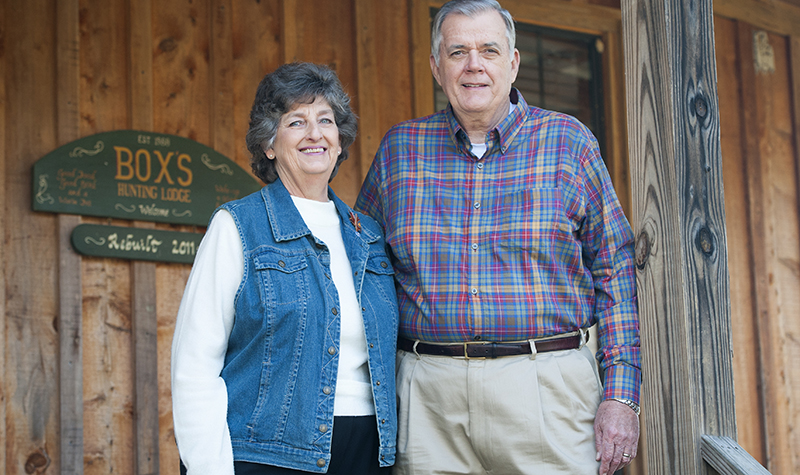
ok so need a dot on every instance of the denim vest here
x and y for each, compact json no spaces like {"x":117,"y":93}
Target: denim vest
{"x":283,"y":351}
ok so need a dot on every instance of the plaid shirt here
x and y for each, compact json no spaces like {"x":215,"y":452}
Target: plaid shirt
{"x":526,"y":242}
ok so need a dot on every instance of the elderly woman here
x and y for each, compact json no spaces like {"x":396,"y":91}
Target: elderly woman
{"x":284,"y":349}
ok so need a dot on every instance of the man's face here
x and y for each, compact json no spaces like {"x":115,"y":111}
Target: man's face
{"x":475,"y":68}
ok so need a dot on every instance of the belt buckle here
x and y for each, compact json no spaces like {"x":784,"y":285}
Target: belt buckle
{"x":466,"y":353}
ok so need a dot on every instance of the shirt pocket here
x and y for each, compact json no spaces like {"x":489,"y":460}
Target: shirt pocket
{"x":533,"y":219}
{"x":283,"y":277}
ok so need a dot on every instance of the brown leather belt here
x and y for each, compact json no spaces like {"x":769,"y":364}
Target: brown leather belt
{"x":486,"y":349}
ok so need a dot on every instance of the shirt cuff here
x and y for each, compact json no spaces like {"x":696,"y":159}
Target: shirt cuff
{"x":622,"y":381}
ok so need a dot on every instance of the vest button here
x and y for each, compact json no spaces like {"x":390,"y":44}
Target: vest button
{"x":384,"y":265}
{"x":323,"y":428}
{"x":321,"y":463}
{"x":281,"y":263}
{"x":334,"y":311}
{"x":326,"y":390}
{"x":331,"y":351}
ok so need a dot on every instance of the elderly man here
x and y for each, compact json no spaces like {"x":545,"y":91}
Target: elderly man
{"x":508,"y":243}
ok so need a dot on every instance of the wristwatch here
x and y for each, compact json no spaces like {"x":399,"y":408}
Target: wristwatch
{"x":629,"y":403}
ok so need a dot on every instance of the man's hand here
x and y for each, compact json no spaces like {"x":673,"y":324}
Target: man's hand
{"x":616,"y":435}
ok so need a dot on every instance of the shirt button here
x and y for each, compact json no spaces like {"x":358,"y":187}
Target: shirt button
{"x":476,"y":205}
{"x":334,"y":311}
{"x":474,"y":291}
{"x":323,"y":428}
{"x":321,"y":463}
{"x":383,"y":421}
{"x":281,"y":263}
{"x":331,"y":351}
{"x":377,"y":383}
{"x":384,"y":265}
{"x":474,"y":247}
{"x":326,"y":390}
{"x":480,"y":166}
{"x":371,"y":345}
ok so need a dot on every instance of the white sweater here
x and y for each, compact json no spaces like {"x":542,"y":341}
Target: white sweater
{"x":203,"y":326}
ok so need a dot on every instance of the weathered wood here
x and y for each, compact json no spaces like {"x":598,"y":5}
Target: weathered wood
{"x":108,"y":381}
{"x":222,"y":77}
{"x":367,"y":31}
{"x":70,"y":319}
{"x":5,"y":235}
{"x":746,"y":360}
{"x":728,"y":458}
{"x":773,"y":194}
{"x":772,"y":15}
{"x":143,"y":274}
{"x":422,"y":80}
{"x":617,"y":138}
{"x":679,"y":222}
{"x":30,"y":346}
{"x":257,"y":50}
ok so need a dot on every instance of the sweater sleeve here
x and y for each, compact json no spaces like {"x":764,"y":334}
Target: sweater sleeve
{"x":202,"y":329}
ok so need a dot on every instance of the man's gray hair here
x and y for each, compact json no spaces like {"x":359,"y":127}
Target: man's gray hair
{"x":470,"y":8}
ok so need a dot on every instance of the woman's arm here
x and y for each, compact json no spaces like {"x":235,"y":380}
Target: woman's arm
{"x":205,"y":319}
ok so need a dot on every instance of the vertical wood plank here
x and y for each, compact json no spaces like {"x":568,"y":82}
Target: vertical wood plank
{"x":616,"y":118}
{"x":679,"y":220}
{"x":368,"y":83}
{"x":422,"y":80}
{"x":108,"y":430}
{"x":257,"y":50}
{"x":222,"y":80}
{"x":291,"y":31}
{"x":746,"y":360}
{"x":4,"y":237}
{"x":143,"y":274}
{"x":70,"y":321}
{"x":30,"y":242}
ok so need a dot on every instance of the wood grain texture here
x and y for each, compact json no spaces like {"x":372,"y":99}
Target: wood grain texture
{"x":107,"y":352}
{"x":143,"y":274}
{"x":773,"y":191}
{"x":728,"y":458}
{"x":679,"y":221}
{"x":4,"y":239}
{"x":746,"y":356}
{"x":31,"y":373}
{"x":773,"y":15}
{"x":384,"y":78}
{"x":70,"y":320}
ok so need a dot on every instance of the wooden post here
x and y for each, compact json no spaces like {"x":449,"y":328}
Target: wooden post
{"x":143,"y":274}
{"x":679,"y":221}
{"x":70,"y":325}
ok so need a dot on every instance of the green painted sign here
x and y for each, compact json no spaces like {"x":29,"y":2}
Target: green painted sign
{"x":137,"y":175}
{"x":135,"y":243}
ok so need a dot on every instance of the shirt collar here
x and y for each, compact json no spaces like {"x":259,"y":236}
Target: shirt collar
{"x":504,"y":132}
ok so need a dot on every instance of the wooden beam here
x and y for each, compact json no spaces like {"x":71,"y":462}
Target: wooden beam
{"x":222,"y":80}
{"x":728,"y":458}
{"x":772,"y":15}
{"x":143,"y":274}
{"x":368,"y":83}
{"x":4,"y":237}
{"x":70,"y":325}
{"x":679,"y":221}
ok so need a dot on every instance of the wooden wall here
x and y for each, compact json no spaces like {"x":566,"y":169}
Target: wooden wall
{"x":72,"y":68}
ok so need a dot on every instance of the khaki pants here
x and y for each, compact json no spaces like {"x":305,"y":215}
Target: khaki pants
{"x":504,"y":416}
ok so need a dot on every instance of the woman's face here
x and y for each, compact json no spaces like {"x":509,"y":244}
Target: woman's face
{"x":306,"y":147}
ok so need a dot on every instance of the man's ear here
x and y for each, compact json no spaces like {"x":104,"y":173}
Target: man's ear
{"x":435,"y":69}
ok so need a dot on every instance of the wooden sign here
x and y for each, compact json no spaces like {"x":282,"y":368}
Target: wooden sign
{"x":135,"y":243}
{"x":140,"y":176}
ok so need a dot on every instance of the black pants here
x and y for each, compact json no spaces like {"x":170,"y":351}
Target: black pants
{"x":354,"y":451}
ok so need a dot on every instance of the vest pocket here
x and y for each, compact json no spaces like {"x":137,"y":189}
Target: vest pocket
{"x":282,"y":277}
